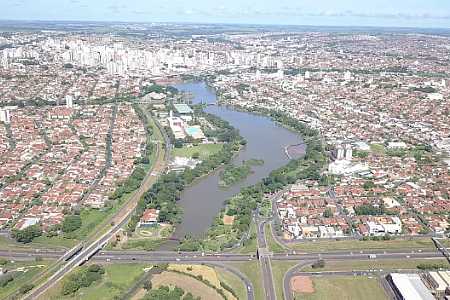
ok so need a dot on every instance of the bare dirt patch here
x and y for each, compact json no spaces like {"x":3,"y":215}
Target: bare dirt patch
{"x":302,"y":284}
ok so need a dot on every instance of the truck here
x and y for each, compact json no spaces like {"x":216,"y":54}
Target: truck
{"x":372,"y":256}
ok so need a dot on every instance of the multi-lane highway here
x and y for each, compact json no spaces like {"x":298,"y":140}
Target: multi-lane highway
{"x":220,"y":259}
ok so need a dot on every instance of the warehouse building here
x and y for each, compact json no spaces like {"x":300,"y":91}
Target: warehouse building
{"x":409,"y":287}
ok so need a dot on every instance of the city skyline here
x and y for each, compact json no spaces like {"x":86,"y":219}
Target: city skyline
{"x":382,"y":13}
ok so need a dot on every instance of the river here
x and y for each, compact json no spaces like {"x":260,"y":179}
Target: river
{"x":266,"y":140}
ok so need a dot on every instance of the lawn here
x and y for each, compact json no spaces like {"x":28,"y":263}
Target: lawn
{"x":252,"y":270}
{"x":345,"y":288}
{"x":279,"y":268}
{"x":271,"y":243}
{"x":22,"y":277}
{"x":233,"y":281}
{"x":350,"y":245}
{"x":377,"y":148}
{"x":385,"y":264}
{"x":204,"y":150}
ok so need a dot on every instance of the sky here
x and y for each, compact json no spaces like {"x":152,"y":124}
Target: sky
{"x":388,"y":13}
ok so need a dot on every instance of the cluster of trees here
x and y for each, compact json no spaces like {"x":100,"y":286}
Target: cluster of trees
{"x":369,"y":210}
{"x":156,"y":88}
{"x":130,"y":184}
{"x":318,"y":264}
{"x":28,"y":234}
{"x":71,"y":223}
{"x":82,"y":278}
{"x":167,"y":293}
{"x":164,"y":194}
{"x":431,"y":266}
{"x":5,"y":279}
{"x":233,"y":174}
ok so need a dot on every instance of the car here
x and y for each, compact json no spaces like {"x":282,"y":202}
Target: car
{"x":177,"y":259}
{"x":133,"y":258}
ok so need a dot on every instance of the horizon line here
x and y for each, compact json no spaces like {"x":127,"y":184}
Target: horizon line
{"x":226,"y":23}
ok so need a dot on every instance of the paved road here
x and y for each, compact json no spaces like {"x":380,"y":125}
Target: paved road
{"x":264,"y":260}
{"x":120,"y":219}
{"x":225,"y":257}
{"x":244,"y":279}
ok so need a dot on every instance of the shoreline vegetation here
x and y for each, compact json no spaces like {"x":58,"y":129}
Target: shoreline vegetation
{"x":232,"y":174}
{"x":165,"y":193}
{"x":227,"y":235}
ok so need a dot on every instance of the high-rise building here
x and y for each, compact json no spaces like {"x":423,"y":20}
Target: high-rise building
{"x":69,"y":101}
{"x":5,"y":115}
{"x":348,"y":152}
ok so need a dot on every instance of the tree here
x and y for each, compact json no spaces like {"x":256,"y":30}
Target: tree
{"x":26,"y":288}
{"x":327,"y":213}
{"x":28,"y":234}
{"x":71,"y":223}
{"x":318,"y":264}
{"x":148,"y":285}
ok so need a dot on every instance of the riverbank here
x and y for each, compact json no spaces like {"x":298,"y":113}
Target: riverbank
{"x":204,"y":200}
{"x":233,"y":221}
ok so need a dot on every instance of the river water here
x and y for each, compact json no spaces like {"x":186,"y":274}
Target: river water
{"x":266,"y":140}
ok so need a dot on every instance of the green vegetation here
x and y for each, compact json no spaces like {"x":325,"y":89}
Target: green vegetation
{"x":82,"y":278}
{"x":250,"y":244}
{"x":377,"y":149}
{"x":345,"y":287}
{"x":432,"y":266}
{"x":318,"y":246}
{"x":222,"y":236}
{"x":273,"y":245}
{"x":252,"y":270}
{"x":385,"y":264}
{"x":28,"y":234}
{"x":279,"y":269}
{"x":167,"y":293}
{"x":231,"y":282}
{"x":71,"y":223}
{"x":164,"y":194}
{"x":233,"y":174}
{"x":203,"y":151}
{"x":131,"y":184}
{"x":20,"y":279}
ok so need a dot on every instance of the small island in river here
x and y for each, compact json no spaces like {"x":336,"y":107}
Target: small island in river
{"x":233,"y":174}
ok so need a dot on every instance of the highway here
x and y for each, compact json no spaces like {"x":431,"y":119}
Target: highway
{"x":264,"y":259}
{"x":119,"y":220}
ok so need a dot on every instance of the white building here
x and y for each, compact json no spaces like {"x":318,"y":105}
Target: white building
{"x":5,"y":115}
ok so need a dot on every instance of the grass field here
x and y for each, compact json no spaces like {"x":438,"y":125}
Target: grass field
{"x":385,"y":264}
{"x":271,"y":243}
{"x":234,"y":282}
{"x":252,"y":270}
{"x":318,"y":246}
{"x":33,"y":268}
{"x":345,"y":288}
{"x":204,"y":150}
{"x":279,"y":268}
{"x":187,"y":283}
